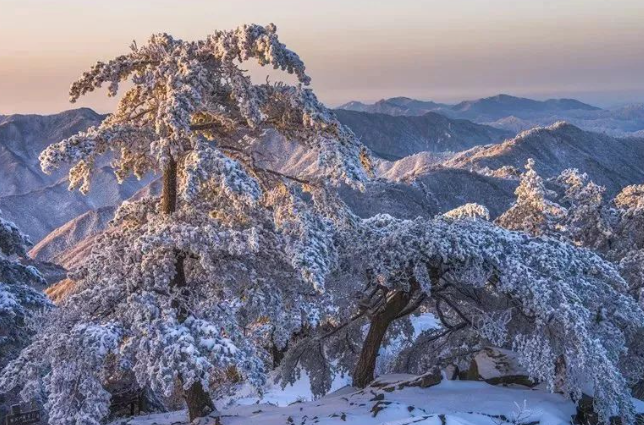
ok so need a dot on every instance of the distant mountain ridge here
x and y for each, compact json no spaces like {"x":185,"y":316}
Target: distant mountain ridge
{"x":495,"y":106}
{"x":503,"y":105}
{"x":517,"y":114}
{"x":395,"y":106}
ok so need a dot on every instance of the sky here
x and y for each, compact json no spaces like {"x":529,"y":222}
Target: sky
{"x":442,"y":50}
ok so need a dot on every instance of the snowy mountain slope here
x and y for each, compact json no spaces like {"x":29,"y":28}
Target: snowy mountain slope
{"x":68,"y":244}
{"x":430,"y":192}
{"x":39,"y":203}
{"x":41,"y":210}
{"x":71,"y":233}
{"x":390,"y":402}
{"x":23,"y":137}
{"x":26,"y":190}
{"x":610,"y":162}
{"x":396,"y":137}
{"x":410,"y":165}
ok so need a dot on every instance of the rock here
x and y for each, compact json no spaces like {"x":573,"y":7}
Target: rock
{"x":430,"y":379}
{"x":497,"y":366}
{"x":451,"y":372}
{"x":638,"y":390}
{"x":586,"y":414}
{"x":473,"y":371}
{"x":434,"y":377}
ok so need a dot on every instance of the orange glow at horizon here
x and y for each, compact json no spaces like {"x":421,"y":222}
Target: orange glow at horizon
{"x":354,"y":50}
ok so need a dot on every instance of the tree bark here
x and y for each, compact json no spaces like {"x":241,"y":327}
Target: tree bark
{"x":363,"y":373}
{"x":197,"y":399}
{"x":169,"y":191}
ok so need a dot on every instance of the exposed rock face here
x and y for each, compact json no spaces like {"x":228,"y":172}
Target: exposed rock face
{"x":497,"y":366}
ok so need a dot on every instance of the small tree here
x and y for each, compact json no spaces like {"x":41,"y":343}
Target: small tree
{"x":630,"y":220}
{"x":183,"y":289}
{"x":588,"y":220}
{"x":532,"y":212}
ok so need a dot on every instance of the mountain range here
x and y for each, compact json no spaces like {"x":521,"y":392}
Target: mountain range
{"x":517,"y":114}
{"x":425,"y":165}
{"x":39,"y":203}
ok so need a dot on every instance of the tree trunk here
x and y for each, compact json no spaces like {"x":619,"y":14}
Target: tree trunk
{"x":363,"y":373}
{"x":169,"y":191}
{"x":199,"y":402}
{"x":197,"y":399}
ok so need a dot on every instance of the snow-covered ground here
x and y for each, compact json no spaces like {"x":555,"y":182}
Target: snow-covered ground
{"x":387,"y":402}
{"x":273,"y":394}
{"x":448,"y":403}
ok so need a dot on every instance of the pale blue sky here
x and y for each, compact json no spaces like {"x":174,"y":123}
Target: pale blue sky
{"x":354,"y":49}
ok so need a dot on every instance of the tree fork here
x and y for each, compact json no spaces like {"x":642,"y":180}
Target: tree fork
{"x":197,"y":399}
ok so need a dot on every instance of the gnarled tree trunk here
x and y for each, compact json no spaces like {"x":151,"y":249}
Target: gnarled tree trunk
{"x":197,"y":399}
{"x":395,"y":305}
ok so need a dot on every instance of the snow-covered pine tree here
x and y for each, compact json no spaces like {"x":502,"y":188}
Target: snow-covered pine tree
{"x":613,"y":229}
{"x":179,"y":291}
{"x":532,"y":212}
{"x":627,"y":242}
{"x":396,"y":296}
{"x":588,"y":220}
{"x":629,"y":231}
{"x":564,"y":310}
{"x":19,"y":300}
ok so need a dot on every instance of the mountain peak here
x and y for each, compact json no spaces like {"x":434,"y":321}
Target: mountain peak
{"x":84,"y":112}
